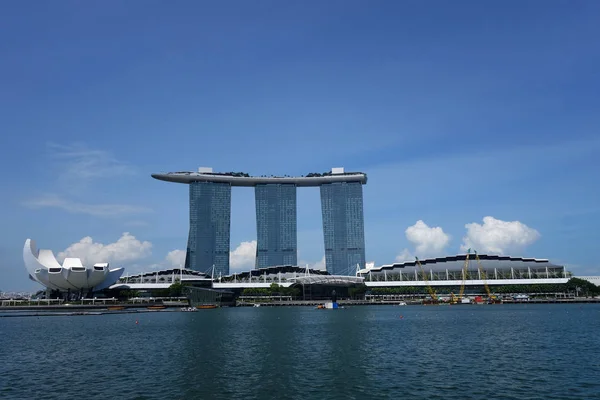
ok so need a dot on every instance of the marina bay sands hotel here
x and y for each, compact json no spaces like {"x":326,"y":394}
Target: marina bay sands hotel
{"x":210,"y":218}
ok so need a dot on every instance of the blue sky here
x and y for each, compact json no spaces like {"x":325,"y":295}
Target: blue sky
{"x":456,"y":111}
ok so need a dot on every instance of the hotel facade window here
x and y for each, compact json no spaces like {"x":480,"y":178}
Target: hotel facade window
{"x":343,"y":227}
{"x":210,"y":222}
{"x":276,"y":225}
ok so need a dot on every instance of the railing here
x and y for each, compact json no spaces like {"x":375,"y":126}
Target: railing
{"x":264,"y":298}
{"x":32,"y":302}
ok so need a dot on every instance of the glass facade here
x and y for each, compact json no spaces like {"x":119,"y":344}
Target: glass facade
{"x":204,"y":296}
{"x":276,"y":225}
{"x":210,"y":217}
{"x":343,"y":227}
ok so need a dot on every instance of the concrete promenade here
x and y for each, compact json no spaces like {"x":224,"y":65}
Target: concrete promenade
{"x":132,"y":307}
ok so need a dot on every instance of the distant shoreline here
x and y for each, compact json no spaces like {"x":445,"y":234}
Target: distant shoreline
{"x":133,"y":308}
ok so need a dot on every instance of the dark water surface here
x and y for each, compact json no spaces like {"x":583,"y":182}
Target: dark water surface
{"x":460,"y":352}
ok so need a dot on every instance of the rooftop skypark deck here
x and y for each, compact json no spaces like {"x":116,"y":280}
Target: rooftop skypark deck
{"x":244,"y":179}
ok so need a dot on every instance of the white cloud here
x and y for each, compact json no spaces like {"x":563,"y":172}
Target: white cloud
{"x":126,"y":249}
{"x":318,"y":265}
{"x":97,"y":210}
{"x":78,"y":168}
{"x":428,"y":241}
{"x":176,"y":258}
{"x":84,"y":164}
{"x":495,"y":236}
{"x":173,"y":259}
{"x":243,"y":257}
{"x":405,"y":255}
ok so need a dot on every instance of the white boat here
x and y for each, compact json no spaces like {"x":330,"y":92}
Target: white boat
{"x":189,"y":309}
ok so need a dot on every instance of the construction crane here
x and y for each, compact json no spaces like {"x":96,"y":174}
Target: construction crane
{"x":464,"y":276}
{"x":453,"y":298}
{"x":491,"y":299}
{"x":434,"y":298}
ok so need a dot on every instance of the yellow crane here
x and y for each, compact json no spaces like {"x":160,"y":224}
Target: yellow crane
{"x":434,"y":298}
{"x":491,"y":298}
{"x":464,"y":276}
{"x":453,"y":298}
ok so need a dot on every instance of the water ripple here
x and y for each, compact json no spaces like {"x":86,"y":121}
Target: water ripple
{"x":464,"y":352}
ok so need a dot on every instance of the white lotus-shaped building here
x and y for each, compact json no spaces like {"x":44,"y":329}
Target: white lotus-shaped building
{"x":44,"y":268}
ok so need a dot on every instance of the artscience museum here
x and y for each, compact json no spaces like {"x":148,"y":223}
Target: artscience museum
{"x":72,"y":276}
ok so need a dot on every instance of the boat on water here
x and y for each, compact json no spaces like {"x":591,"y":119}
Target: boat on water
{"x":188,"y":309}
{"x":329,"y":306}
{"x":116,"y":308}
{"x":156,"y":307}
{"x":206,"y":306}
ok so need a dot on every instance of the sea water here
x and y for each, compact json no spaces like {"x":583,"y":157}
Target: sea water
{"x":509,"y":351}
